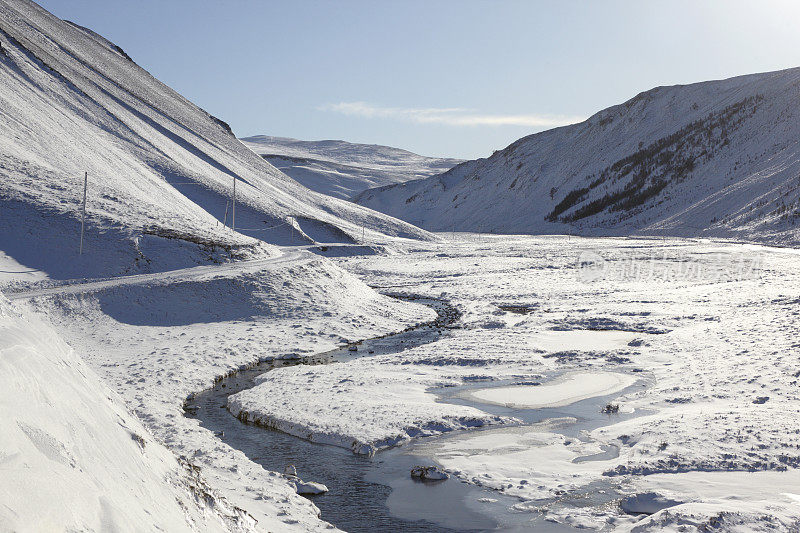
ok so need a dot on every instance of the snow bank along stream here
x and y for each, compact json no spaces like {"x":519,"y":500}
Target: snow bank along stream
{"x":376,"y":492}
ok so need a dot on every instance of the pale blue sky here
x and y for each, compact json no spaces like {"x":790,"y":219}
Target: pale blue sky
{"x":448,"y":78}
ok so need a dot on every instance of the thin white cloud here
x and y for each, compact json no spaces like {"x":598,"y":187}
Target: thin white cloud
{"x":453,"y":116}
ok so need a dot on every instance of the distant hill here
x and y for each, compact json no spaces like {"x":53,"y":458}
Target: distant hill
{"x":343,"y":169}
{"x":718,"y":159}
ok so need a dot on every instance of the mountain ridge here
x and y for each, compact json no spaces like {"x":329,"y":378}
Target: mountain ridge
{"x":698,"y":159}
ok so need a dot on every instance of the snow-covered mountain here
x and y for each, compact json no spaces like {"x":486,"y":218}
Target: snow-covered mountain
{"x":720,"y":158}
{"x":161,"y":170}
{"x":343,"y":169}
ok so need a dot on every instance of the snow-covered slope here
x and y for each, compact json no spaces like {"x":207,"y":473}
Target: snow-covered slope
{"x":719,"y":158}
{"x":343,"y":169}
{"x":161,"y":170}
{"x":157,"y":338}
{"x":74,"y":459}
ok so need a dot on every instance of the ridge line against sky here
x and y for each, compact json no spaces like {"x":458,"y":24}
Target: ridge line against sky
{"x":447,"y":78}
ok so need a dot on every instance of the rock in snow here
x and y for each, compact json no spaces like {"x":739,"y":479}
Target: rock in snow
{"x":309,"y":487}
{"x":429,"y":473}
{"x":646,"y":503}
{"x":303,"y":487}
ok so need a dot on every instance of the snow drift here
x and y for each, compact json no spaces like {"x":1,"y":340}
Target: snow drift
{"x":719,"y":158}
{"x":72,"y":456}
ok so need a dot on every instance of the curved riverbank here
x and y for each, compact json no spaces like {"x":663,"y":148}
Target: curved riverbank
{"x":368,"y":492}
{"x":356,"y":501}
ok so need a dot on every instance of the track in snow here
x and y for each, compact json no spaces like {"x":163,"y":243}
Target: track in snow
{"x":290,"y":256}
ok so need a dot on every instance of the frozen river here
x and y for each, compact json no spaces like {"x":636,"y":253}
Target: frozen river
{"x":368,"y":493}
{"x":358,"y":484}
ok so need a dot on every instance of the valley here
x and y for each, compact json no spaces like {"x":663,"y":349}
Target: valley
{"x":592,"y":329}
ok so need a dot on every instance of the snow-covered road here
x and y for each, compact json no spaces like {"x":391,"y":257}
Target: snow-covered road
{"x":288,"y":256}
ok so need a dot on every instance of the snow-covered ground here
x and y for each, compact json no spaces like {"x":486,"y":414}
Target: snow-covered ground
{"x":694,"y":341}
{"x":700,"y":335}
{"x":343,"y":169}
{"x":155,"y":339}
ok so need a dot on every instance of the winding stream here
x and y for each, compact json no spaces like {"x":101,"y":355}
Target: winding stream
{"x":377,"y":493}
{"x":356,"y":501}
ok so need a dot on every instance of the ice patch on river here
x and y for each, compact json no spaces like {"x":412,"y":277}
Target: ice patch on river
{"x":565,"y":390}
{"x":529,"y":462}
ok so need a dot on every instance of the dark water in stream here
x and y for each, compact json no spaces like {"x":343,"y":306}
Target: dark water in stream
{"x":377,"y":493}
{"x":353,"y":502}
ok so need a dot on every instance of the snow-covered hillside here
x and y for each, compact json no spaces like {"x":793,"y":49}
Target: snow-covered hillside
{"x":74,"y":459}
{"x":343,"y":169}
{"x":161,"y":170}
{"x":720,"y":158}
{"x":107,"y":451}
{"x":157,"y":338}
